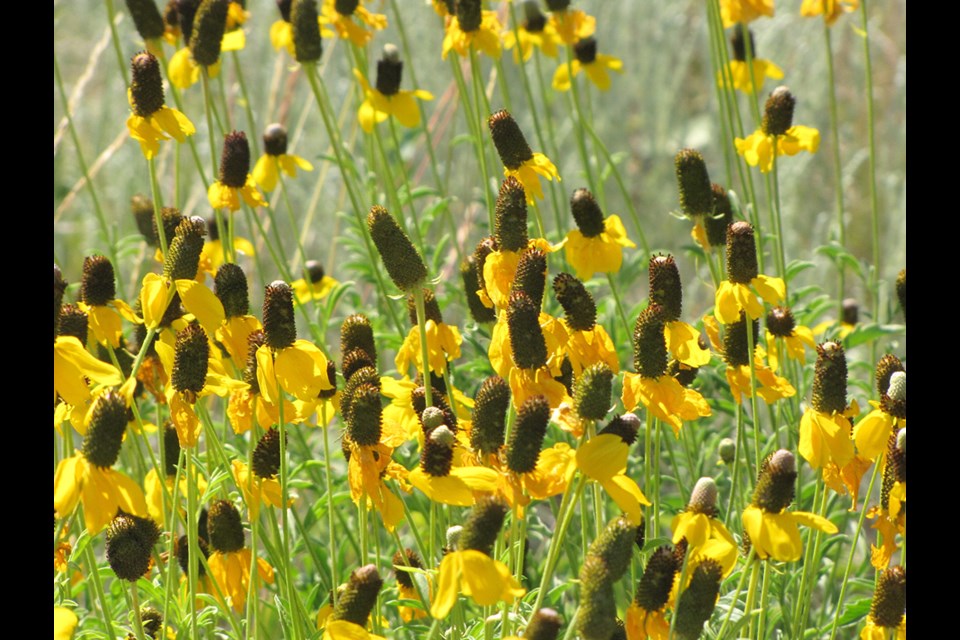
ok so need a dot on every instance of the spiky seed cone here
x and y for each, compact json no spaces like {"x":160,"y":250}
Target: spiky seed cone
{"x":626,"y":427}
{"x":591,"y":392}
{"x":355,"y":603}
{"x":182,"y":551}
{"x":558,"y":5}
{"x":653,"y":591}
{"x":255,"y":340}
{"x":108,"y":422}
{"x":354,"y":360}
{"x":209,"y":25}
{"x":566,"y":375}
{"x":698,"y":600}
{"x":778,"y":112}
{"x":894,"y":468}
{"x":418,"y":398}
{"x":431,"y":308}
{"x":902,"y":291}
{"x":736,"y":349}
{"x":597,"y":616}
{"x":142,"y":209}
{"x":403,"y":262}
{"x":389,"y":71}
{"x":531,"y":275}
{"x":830,"y":379}
{"x":191,"y":360}
{"x":59,"y":287}
{"x":739,"y":43}
{"x":886,"y":367}
{"x":665,"y":287}
{"x":741,"y":253}
{"x":579,"y":308}
{"x":544,"y":625}
{"x":187,"y":10}
{"x":511,"y":215}
{"x":357,"y":333}
{"x":266,"y":455}
{"x":586,"y":213}
{"x":469,"y":14}
{"x":703,"y":498}
{"x":278,"y":321}
{"x":74,"y":322}
{"x":780,"y":322}
{"x":890,"y":598}
{"x":366,"y":415}
{"x":850,"y":313}
{"x":894,"y":401}
{"x":235,"y":160}
{"x":483,"y":525}
{"x":146,"y":85}
{"x":436,"y":457}
{"x":526,"y":438}
{"x":146,"y":18}
{"x":332,"y":377}
{"x":716,"y":225}
{"x":275,"y":143}
{"x":693,"y":182}
{"x":224,"y":527}
{"x":685,"y":375}
{"x":527,"y":343}
{"x":130,"y":541}
{"x":649,"y":344}
{"x":171,"y":449}
{"x":97,"y":286}
{"x":507,"y":138}
{"x":776,"y":482}
{"x":284,"y":7}
{"x":489,"y":415}
{"x":170,"y":218}
{"x":230,"y":286}
{"x":362,"y":376}
{"x":315,"y":271}
{"x":408,"y":558}
{"x":468,"y":275}
{"x":183,"y":253}
{"x":586,"y":50}
{"x":151,"y":618}
{"x":615,"y":546}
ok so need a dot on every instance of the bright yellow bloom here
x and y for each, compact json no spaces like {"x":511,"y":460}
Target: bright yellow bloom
{"x":344,"y":630}
{"x":642,"y":624}
{"x":665,"y":398}
{"x":443,"y":345}
{"x":281,"y":35}
{"x":758,"y":148}
{"x":183,"y":70}
{"x":223,"y":197}
{"x":602,"y":253}
{"x":734,"y":11}
{"x":500,"y":270}
{"x":156,"y":293}
{"x":377,"y":107}
{"x":873,"y":431}
{"x":707,"y":537}
{"x":256,"y":490}
{"x":792,"y":344}
{"x":734,"y":297}
{"x":546,"y":40}
{"x":683,"y":342}
{"x":300,"y":370}
{"x":831,"y":10}
{"x":486,"y":38}
{"x":155,"y":489}
{"x":212,"y":256}
{"x":64,"y":623}
{"x":572,"y":25}
{"x":459,"y":487}
{"x":596,"y":71}
{"x":604,"y":458}
{"x":585,"y":348}
{"x":106,"y":321}
{"x":740,"y":75}
{"x":304,"y":292}
{"x":163,"y":124}
{"x":347,"y":28}
{"x":73,"y":366}
{"x":770,"y":386}
{"x":231,"y":571}
{"x":366,"y":469}
{"x":872,"y":631}
{"x":529,"y":174}
{"x":233,"y":334}
{"x":266,"y":172}
{"x":102,"y":491}
{"x":775,"y":535}
{"x":846,"y":479}
{"x":825,"y":438}
{"x":476,"y":575}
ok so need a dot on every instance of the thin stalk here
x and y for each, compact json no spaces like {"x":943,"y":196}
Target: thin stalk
{"x":837,"y":166}
{"x":247,"y":109}
{"x":763,"y":600}
{"x":680,"y":589}
{"x":135,"y":605}
{"x":157,"y":216}
{"x":563,"y":518}
{"x":285,"y":556}
{"x":115,"y":39}
{"x":328,"y":477}
{"x":575,"y":103}
{"x":424,"y":352}
{"x":193,"y":553}
{"x":874,"y":202}
{"x":409,"y":186}
{"x":754,"y":411}
{"x":106,"y":618}
{"x":736,"y":594}
{"x":752,"y":596}
{"x":616,"y":299}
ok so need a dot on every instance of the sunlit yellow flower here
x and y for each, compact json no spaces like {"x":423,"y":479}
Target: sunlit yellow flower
{"x":872,"y":631}
{"x":775,"y":535}
{"x":154,"y":490}
{"x":734,"y":297}
{"x":642,"y":624}
{"x":585,"y":348}
{"x":233,"y":334}
{"x":458,"y":487}
{"x":443,"y":345}
{"x":64,"y":623}
{"x":349,"y":29}
{"x":500,"y":270}
{"x":256,"y":490}
{"x":344,"y":630}
{"x":546,"y":39}
{"x":377,"y":107}
{"x":707,"y":537}
{"x":213,"y":256}
{"x":152,"y":120}
{"x":873,"y":431}
{"x":683,"y":343}
{"x":266,"y":172}
{"x":846,"y":479}
{"x":222,"y":196}
{"x":758,"y":148}
{"x":602,"y":253}
{"x":74,"y":366}
{"x":793,"y":345}
{"x":486,"y":37}
{"x":476,"y":575}
{"x":770,"y":386}
{"x":826,"y":437}
{"x":316,"y":288}
{"x":281,"y":33}
{"x":604,"y":458}
{"x":530,"y":172}
{"x":156,"y":293}
{"x":831,"y":10}
{"x":231,"y":571}
{"x":102,"y":491}
{"x":366,"y":469}
{"x":596,"y":69}
{"x":183,"y":70}
{"x":734,"y":11}
{"x":740,"y":75}
{"x":300,"y":370}
{"x":572,"y":25}
{"x":665,"y":398}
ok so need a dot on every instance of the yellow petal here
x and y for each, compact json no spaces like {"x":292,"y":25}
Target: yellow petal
{"x":603,"y":456}
{"x":871,"y":433}
{"x":265,"y":172}
{"x":448,"y":585}
{"x":202,"y":303}
{"x":814,"y":521}
{"x":628,"y":496}
{"x":486,"y":580}
{"x":64,"y":623}
{"x":67,"y":482}
{"x":772,"y":290}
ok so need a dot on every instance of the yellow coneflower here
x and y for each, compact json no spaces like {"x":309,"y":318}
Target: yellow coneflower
{"x":472,"y":27}
{"x":777,"y":136}
{"x":518,"y":159}
{"x":152,"y":120}
{"x":275,"y":159}
{"x":595,"y":65}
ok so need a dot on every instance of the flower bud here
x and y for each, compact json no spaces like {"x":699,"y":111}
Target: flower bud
{"x":693,"y":181}
{"x":191,"y":360}
{"x":830,"y":379}
{"x":510,"y":220}
{"x":649,"y":344}
{"x":703,"y":498}
{"x":615,"y":546}
{"x":507,"y":137}
{"x":586,"y":213}
{"x":279,"y":325}
{"x":355,"y":603}
{"x":97,"y":287}
{"x":489,"y":415}
{"x":403,"y":262}
{"x":483,"y":525}
{"x":527,"y":343}
{"x":357,"y":333}
{"x":727,"y":450}
{"x":557,"y":5}
{"x":778,"y":112}
{"x":654,"y":587}
{"x":886,"y":367}
{"x":716,"y":225}
{"x":146,"y":85}
{"x":591,"y":392}
{"x":354,"y":360}
{"x":275,"y":140}
{"x":418,"y":398}
{"x":224,"y":527}
{"x":626,"y":427}
{"x":209,"y":24}
{"x":284,"y":7}
{"x":780,"y":322}
{"x":665,"y":287}
{"x":544,"y":625}
{"x":776,"y":482}
{"x":851,"y":311}
{"x":436,"y":457}
{"x":741,"y":253}
{"x":183,"y":253}
{"x":130,"y":541}
{"x":187,"y":12}
{"x":366,"y":415}
{"x":596,"y":618}
{"x":389,"y":71}
{"x":526,"y":438}
{"x":266,"y":455}
{"x":359,"y":377}
{"x":108,"y":423}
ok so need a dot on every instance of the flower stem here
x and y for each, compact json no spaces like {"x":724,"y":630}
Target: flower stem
{"x":564,"y":516}
{"x":328,"y":478}
{"x":874,"y":203}
{"x":736,"y":594}
{"x":424,"y":351}
{"x":94,"y":572}
{"x":135,"y":605}
{"x":837,"y":166}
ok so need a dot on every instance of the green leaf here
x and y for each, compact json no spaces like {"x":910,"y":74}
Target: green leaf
{"x":867,"y":333}
{"x":854,"y":611}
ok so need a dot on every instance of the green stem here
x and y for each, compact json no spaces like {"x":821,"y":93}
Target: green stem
{"x":837,"y":166}
{"x":94,"y":572}
{"x":736,"y":594}
{"x":135,"y":605}
{"x":115,"y":39}
{"x":556,"y":542}
{"x":424,"y":352}
{"x":874,"y":202}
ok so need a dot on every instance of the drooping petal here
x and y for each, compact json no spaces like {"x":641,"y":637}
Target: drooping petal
{"x":448,"y":585}
{"x":683,"y":343}
{"x":302,"y":370}
{"x":871,"y":433}
{"x":603,"y":456}
{"x":628,"y":496}
{"x":486,"y":580}
{"x":202,"y":303}
{"x":265,"y":172}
